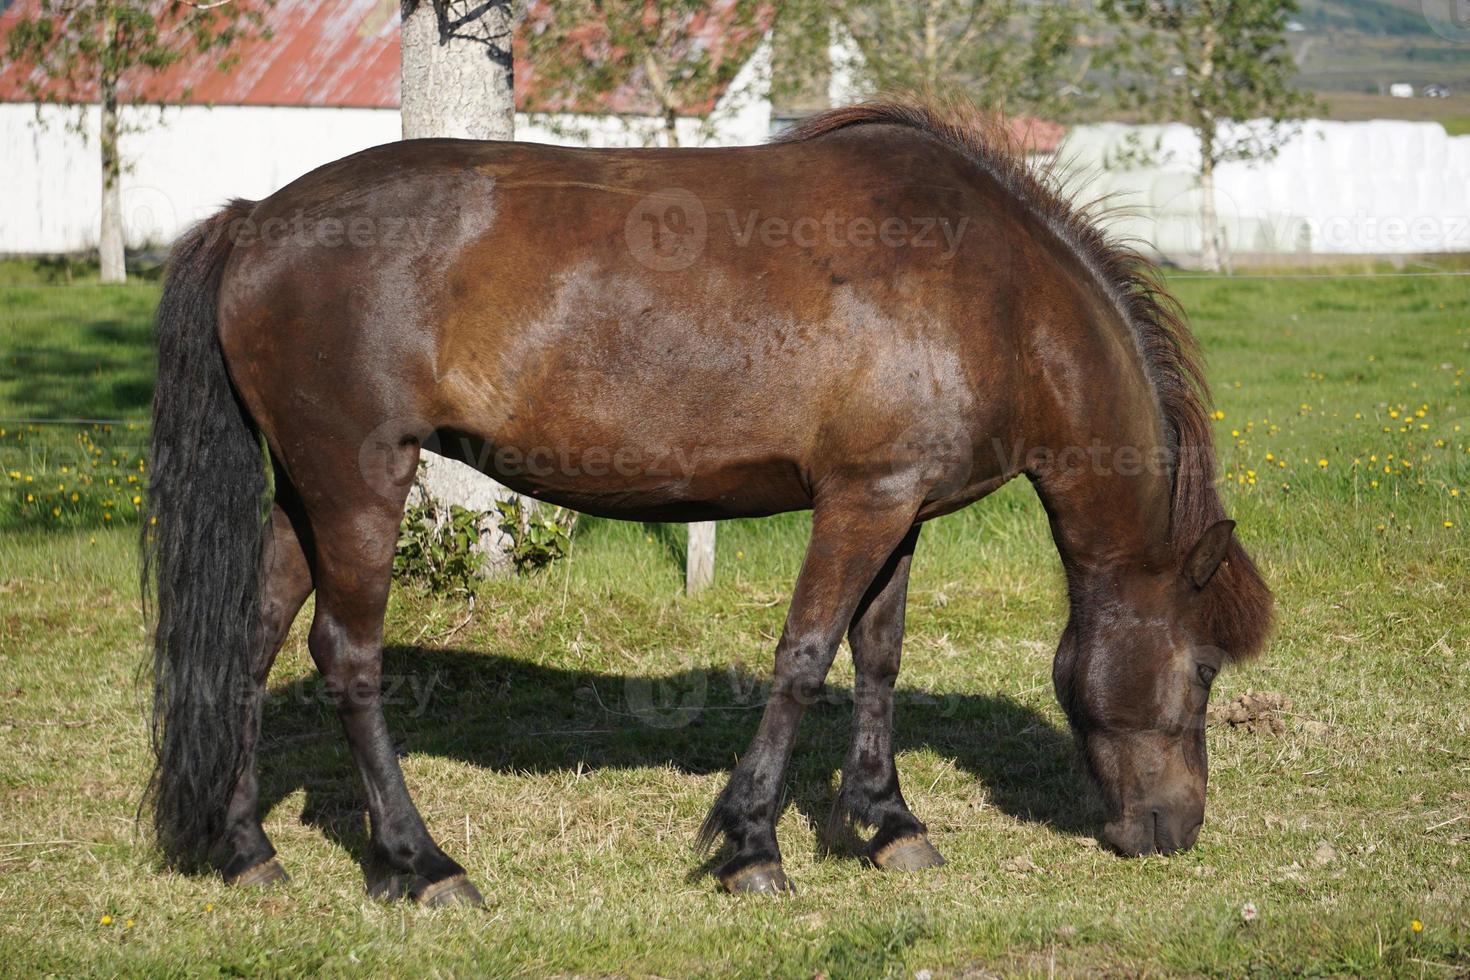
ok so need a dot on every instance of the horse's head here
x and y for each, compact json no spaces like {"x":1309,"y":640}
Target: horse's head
{"x":1133,"y":674}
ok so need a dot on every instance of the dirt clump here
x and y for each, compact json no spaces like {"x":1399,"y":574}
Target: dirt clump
{"x":1255,"y":711}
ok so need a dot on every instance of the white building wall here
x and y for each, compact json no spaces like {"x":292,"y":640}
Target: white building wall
{"x":1337,"y":188}
{"x":200,"y":157}
{"x":178,"y":172}
{"x":1379,"y":187}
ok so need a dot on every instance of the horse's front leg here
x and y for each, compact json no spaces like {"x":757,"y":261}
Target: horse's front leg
{"x":870,"y":794}
{"x":852,"y":536}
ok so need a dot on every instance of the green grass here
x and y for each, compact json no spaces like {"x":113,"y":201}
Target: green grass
{"x":565,"y":738}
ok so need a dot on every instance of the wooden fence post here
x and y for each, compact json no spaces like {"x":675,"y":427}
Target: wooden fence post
{"x":699,"y":564}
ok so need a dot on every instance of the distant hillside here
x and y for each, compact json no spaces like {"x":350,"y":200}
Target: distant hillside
{"x":1395,"y":18}
{"x":1364,"y":46}
{"x":1349,"y":53}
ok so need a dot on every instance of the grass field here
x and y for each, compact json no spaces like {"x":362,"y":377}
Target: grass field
{"x":565,"y":737}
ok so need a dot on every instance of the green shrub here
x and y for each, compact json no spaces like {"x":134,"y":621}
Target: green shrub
{"x":539,"y":536}
{"x":437,"y":551}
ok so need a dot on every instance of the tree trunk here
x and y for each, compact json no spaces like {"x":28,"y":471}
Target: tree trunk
{"x":458,"y":77}
{"x":1205,"y":128}
{"x":459,"y":81}
{"x":1209,"y":220}
{"x":110,"y":252}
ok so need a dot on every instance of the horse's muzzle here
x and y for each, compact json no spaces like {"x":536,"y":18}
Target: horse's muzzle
{"x":1156,"y":831}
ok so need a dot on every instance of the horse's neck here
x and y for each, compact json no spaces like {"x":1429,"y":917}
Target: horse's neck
{"x":1109,"y":505}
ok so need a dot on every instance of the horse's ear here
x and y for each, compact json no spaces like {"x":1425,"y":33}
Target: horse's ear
{"x":1208,"y":552}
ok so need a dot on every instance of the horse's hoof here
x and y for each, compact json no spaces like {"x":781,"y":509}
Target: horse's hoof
{"x":762,"y":878}
{"x":457,"y":890}
{"x":908,"y":854}
{"x":262,"y":875}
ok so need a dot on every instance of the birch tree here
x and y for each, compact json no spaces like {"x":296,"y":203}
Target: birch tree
{"x":458,"y":78}
{"x":109,"y":50}
{"x":1208,"y":63}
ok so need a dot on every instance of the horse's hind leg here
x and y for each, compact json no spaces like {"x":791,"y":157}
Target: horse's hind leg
{"x":852,"y":536}
{"x":870,"y":793}
{"x":354,"y":545}
{"x":249,"y":856}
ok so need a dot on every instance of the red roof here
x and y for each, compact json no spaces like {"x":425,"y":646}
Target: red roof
{"x":1036,"y":135}
{"x":345,"y":53}
{"x":323,"y":53}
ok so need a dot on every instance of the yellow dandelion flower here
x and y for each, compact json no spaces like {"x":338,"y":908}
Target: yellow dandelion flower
{"x":1417,"y":926}
{"x":106,"y":920}
{"x":128,"y":924}
{"x":1454,"y":491}
{"x":1219,"y":415}
{"x":137,"y":500}
{"x":1449,"y":524}
{"x":30,"y":498}
{"x":1373,"y":484}
{"x":30,"y":479}
{"x":55,"y":511}
{"x":1322,"y":463}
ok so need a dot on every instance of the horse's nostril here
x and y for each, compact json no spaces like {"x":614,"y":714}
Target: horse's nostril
{"x":1163,"y":841}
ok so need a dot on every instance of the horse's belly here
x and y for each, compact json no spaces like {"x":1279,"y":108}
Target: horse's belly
{"x":631,"y":477}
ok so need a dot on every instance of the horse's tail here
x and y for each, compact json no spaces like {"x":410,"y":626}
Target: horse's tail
{"x":201,"y":542}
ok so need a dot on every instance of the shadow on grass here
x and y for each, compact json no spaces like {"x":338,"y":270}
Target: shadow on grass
{"x":514,"y":716}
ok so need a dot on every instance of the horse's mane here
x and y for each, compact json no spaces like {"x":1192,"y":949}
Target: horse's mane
{"x":1238,"y":603}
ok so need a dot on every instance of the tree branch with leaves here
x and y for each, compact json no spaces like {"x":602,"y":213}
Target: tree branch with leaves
{"x":657,"y":50}
{"x":1006,"y":56}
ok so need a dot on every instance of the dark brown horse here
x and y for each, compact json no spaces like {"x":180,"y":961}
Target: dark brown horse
{"x":882,"y":317}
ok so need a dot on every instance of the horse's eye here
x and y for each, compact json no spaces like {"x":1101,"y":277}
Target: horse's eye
{"x":1206,"y":674}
